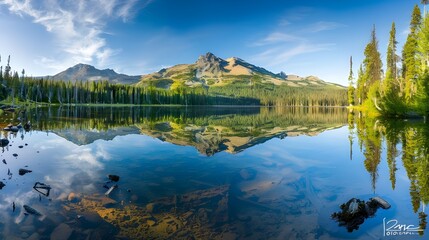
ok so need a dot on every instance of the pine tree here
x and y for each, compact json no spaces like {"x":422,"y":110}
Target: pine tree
{"x":351,"y":90}
{"x":422,"y":56}
{"x":389,"y":83}
{"x":410,"y":66}
{"x":371,"y":72}
{"x":422,"y":53}
{"x":391,"y":55}
{"x":372,"y":62}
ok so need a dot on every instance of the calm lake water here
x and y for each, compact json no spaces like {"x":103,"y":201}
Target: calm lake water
{"x":211,"y":173}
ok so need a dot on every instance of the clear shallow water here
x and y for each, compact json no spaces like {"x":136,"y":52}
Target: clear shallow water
{"x":208,"y":173}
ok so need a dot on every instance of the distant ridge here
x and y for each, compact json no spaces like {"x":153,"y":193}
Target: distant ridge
{"x":85,"y":72}
{"x":208,"y":71}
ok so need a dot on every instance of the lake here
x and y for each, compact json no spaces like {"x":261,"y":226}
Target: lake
{"x":211,"y":173}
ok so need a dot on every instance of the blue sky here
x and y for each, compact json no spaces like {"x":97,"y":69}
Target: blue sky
{"x":137,"y":37}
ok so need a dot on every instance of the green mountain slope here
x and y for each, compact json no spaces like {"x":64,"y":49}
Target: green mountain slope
{"x":212,"y":71}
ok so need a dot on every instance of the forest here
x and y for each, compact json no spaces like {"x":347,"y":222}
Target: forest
{"x":403,"y":89}
{"x":18,"y":88}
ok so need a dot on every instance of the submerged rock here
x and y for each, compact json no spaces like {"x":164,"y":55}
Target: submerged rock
{"x":23,"y":171}
{"x":2,"y":185}
{"x":62,"y":232}
{"x":165,"y":218}
{"x":4,"y":142}
{"x":354,"y":212}
{"x":353,"y":206}
{"x":32,"y":211}
{"x":383,"y":203}
{"x":11,"y":128}
{"x":114,"y":178}
{"x":72,"y":197}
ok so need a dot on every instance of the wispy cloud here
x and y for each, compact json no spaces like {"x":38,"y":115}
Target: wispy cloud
{"x":78,"y":26}
{"x":278,"y":37}
{"x":323,"y":26}
{"x":297,"y":13}
{"x":287,"y":42}
{"x":281,"y":55}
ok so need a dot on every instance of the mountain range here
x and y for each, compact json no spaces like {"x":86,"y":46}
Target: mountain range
{"x":209,"y":70}
{"x":87,"y":72}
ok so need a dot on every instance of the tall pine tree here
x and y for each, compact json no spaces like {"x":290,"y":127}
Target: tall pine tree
{"x":392,"y":103}
{"x":389,"y":84}
{"x":410,"y":65}
{"x":422,"y":92}
{"x":351,"y":90}
{"x":372,"y":67}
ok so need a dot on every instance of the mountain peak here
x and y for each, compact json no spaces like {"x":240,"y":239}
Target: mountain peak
{"x":209,"y":58}
{"x":86,"y":72}
{"x":82,"y":66}
{"x":209,"y":54}
{"x":87,"y":67}
{"x":209,"y":65}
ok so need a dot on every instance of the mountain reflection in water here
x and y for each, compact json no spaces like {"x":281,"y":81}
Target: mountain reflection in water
{"x":206,"y":173}
{"x":209,"y":129}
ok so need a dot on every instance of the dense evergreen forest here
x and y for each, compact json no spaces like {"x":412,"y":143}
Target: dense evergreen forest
{"x":403,"y":89}
{"x":19,"y":88}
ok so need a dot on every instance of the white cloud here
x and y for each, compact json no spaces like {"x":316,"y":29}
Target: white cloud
{"x":280,"y":55}
{"x":285,"y":43}
{"x":77,"y":26}
{"x":278,"y":37}
{"x":85,"y":156}
{"x":324,"y":26}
